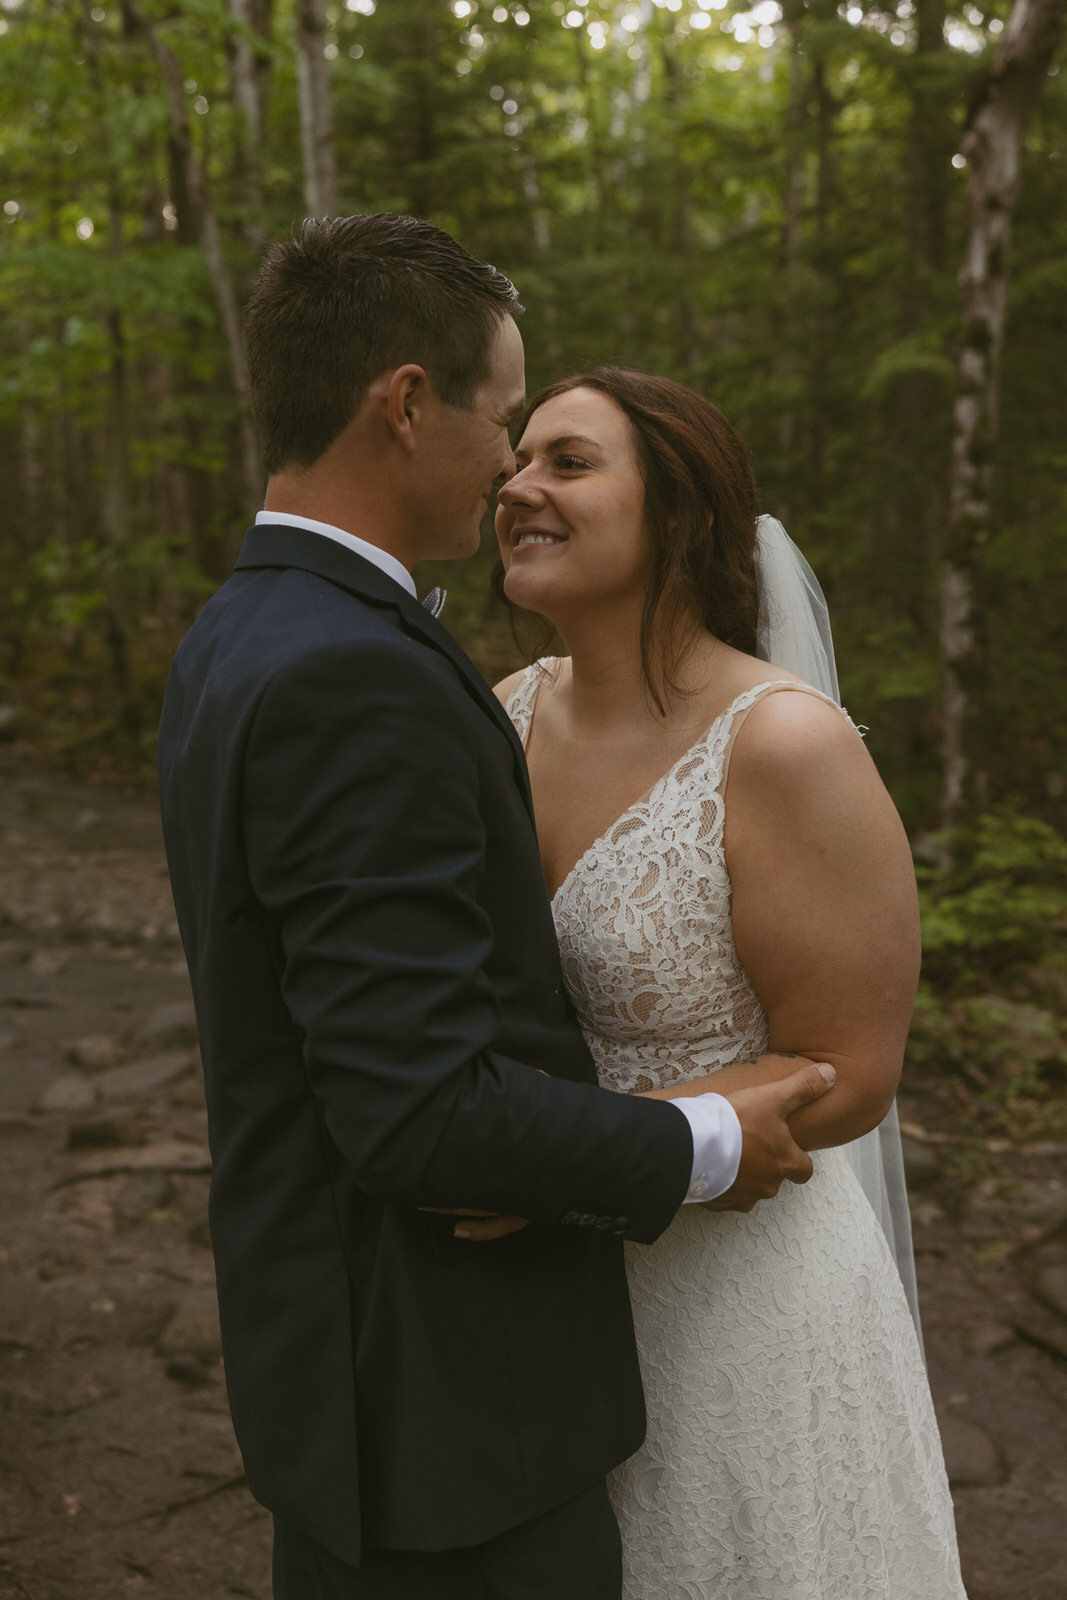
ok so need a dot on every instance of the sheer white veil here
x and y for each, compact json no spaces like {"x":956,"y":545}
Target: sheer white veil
{"x":794,"y":632}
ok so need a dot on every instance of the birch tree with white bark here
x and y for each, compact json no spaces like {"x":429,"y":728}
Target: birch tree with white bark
{"x":248,"y":55}
{"x":316,"y":120}
{"x":992,"y":147}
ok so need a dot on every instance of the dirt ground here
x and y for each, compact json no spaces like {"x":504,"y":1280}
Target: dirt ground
{"x":119,"y":1475}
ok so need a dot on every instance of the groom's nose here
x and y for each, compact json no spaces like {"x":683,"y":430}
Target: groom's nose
{"x":508,"y":470}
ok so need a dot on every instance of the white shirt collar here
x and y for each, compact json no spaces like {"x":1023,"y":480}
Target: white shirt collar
{"x":370,"y":552}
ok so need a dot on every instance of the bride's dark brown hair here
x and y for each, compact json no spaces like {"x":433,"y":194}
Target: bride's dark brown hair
{"x":700,"y":517}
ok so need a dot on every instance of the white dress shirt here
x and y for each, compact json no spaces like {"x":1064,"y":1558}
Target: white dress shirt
{"x":712,"y":1119}
{"x":370,"y":552}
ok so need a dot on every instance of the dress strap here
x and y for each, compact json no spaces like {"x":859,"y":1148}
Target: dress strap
{"x":738,"y":712}
{"x":522,"y":702}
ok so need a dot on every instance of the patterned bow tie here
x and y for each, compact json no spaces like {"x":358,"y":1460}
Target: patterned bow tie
{"x":434,"y":602}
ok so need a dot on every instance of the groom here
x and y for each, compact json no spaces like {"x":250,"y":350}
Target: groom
{"x":383,"y":1022}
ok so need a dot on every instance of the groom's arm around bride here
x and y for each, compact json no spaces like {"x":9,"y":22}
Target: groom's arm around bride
{"x":359,"y":890}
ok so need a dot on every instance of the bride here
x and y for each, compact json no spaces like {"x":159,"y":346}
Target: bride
{"x":731,"y":886}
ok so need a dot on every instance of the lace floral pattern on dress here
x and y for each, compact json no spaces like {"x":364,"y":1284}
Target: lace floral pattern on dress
{"x":792,"y":1449}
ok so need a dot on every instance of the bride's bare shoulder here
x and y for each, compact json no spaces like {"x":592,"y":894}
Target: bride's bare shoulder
{"x":791,"y":733}
{"x":507,"y":686}
{"x":548,"y":665}
{"x":802,"y":785}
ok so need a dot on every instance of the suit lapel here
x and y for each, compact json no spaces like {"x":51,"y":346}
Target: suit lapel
{"x":276,"y":545}
{"x":419,"y":622}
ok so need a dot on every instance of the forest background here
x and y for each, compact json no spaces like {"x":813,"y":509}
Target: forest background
{"x":844,"y":223}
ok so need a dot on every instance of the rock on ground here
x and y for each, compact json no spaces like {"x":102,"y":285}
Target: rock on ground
{"x":118,"y":1468}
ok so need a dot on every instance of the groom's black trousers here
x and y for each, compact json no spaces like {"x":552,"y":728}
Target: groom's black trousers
{"x":570,"y":1553}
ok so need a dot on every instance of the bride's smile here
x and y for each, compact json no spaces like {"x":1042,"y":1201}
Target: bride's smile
{"x":524,"y":538}
{"x":732,"y":889}
{"x":571,"y":521}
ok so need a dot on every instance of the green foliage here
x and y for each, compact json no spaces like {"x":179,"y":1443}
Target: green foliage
{"x":761,"y":205}
{"x":989,"y":1010}
{"x":1003,"y":899}
{"x":1009,"y":1059}
{"x":916,"y":353}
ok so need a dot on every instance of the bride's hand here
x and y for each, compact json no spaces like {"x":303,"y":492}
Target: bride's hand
{"x":480,"y":1225}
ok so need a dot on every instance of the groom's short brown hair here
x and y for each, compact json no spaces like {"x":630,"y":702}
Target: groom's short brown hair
{"x":348,"y":298}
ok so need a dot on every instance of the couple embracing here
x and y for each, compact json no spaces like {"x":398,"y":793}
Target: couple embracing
{"x":487,"y":1154}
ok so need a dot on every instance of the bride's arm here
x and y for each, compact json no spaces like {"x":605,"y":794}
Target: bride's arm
{"x":825,"y":914}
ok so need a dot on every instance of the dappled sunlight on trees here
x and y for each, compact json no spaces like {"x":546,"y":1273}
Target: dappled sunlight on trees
{"x":766,"y":201}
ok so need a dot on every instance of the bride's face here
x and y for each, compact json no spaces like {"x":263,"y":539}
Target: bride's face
{"x":571,"y":523}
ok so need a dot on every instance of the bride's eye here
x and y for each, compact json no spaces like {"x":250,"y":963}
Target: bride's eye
{"x":569,"y":463}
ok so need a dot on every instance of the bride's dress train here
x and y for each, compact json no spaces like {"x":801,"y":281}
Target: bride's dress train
{"x":792,"y":1449}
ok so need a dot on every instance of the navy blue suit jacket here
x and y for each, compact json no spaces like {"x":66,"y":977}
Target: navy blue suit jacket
{"x":352,"y":851}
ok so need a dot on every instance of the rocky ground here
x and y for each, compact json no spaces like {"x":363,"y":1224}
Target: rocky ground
{"x":119,"y":1475}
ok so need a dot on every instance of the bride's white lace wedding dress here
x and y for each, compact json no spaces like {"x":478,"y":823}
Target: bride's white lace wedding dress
{"x":792,"y":1449}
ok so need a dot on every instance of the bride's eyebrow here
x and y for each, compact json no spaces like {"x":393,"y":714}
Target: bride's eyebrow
{"x":574,"y":439}
{"x":564,"y":440}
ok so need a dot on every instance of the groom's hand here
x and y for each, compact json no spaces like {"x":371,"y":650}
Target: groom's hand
{"x":480,"y":1224}
{"x":769,"y":1153}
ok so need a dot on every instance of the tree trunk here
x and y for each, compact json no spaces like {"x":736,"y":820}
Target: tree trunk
{"x":598,"y":169}
{"x":821,"y":320}
{"x":679,"y":218}
{"x":28,"y":529}
{"x":419,"y":74}
{"x":790,"y":258}
{"x":115,"y":439}
{"x":992,"y":144}
{"x":930,"y":143}
{"x":249,"y":81}
{"x":531,"y":188}
{"x":316,"y":123}
{"x":249,"y":65}
{"x":116,"y":519}
{"x":908,"y":527}
{"x":195,"y":192}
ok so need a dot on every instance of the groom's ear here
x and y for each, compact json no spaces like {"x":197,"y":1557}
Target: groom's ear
{"x":407,"y":391}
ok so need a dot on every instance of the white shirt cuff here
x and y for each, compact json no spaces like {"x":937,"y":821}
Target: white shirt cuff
{"x":716,"y":1144}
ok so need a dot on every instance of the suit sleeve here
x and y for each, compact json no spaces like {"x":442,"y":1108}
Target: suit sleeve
{"x":365,"y":843}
